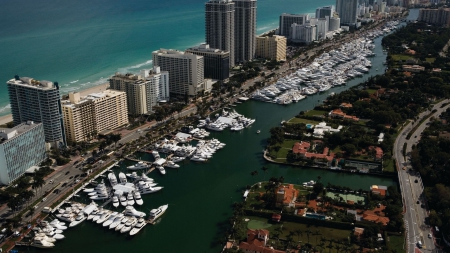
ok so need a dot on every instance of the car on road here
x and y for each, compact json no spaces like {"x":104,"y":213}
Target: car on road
{"x":70,"y":177}
{"x":67,"y":172}
{"x":416,"y":181}
{"x":44,"y":199}
{"x":429,"y":235}
{"x":415,"y":136}
{"x":404,"y":168}
{"x":51,"y":181}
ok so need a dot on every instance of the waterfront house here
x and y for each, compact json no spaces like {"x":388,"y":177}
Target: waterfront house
{"x":286,"y":195}
{"x":346,"y":105}
{"x":303,"y":147}
{"x":378,"y":152}
{"x":338,"y":113}
{"x":378,"y":190}
{"x":358,"y":232}
{"x":256,"y":242}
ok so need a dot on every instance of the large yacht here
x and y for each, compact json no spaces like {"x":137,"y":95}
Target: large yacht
{"x":139,"y":225}
{"x":138,"y":166}
{"x":115,"y":201}
{"x":161,"y":169}
{"x":137,"y":198}
{"x":128,"y":225}
{"x":117,"y":220}
{"x":156,"y":154}
{"x":122,"y":178}
{"x":111,"y":219}
{"x":40,"y":242}
{"x":130,"y":211}
{"x":122,"y":223}
{"x":172,"y":164}
{"x":80,"y":218}
{"x":112,"y":179}
{"x":130,"y":199}
{"x":149,"y":189}
{"x":156,"y":213}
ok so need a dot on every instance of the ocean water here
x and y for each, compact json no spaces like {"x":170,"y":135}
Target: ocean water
{"x":81,"y":43}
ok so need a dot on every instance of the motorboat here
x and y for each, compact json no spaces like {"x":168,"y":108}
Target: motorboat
{"x":138,"y":166}
{"x":145,"y":178}
{"x":138,"y":198}
{"x":197,"y":159}
{"x":56,"y":236}
{"x":88,"y":189}
{"x":122,"y":223}
{"x":161,"y":169}
{"x":100,"y":196}
{"x":171,"y":164}
{"x":133,"y":175}
{"x":150,"y":190}
{"x":131,"y":211}
{"x":130,"y":199}
{"x":259,"y":131}
{"x":67,"y":216}
{"x":123,"y":200}
{"x":139,"y":225}
{"x":117,"y":221}
{"x":156,"y":154}
{"x":92,"y":215}
{"x":156,"y":213}
{"x":112,"y":179}
{"x":103,"y":217}
{"x":98,"y":215}
{"x":122,"y":178}
{"x":80,"y":218}
{"x":45,"y":237}
{"x":128,"y":225}
{"x":177,"y":159}
{"x":115,"y":201}
{"x":40,"y":242}
{"x":110,"y":219}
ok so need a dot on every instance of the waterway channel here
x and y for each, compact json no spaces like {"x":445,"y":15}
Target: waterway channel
{"x":200,"y":195}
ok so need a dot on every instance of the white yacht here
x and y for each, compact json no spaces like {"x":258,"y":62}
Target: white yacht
{"x":130,"y":199}
{"x":45,"y":237}
{"x":131,"y":211}
{"x":138,"y":166}
{"x":120,"y":225}
{"x":128,"y":225}
{"x":116,"y":221}
{"x":122,"y":178}
{"x":80,"y":218}
{"x":258,"y":131}
{"x":115,"y":201}
{"x":145,"y":178}
{"x":137,"y":198}
{"x":139,"y":225}
{"x":133,"y":175}
{"x":156,"y":213}
{"x":161,"y":169}
{"x":150,"y":190}
{"x":103,"y":217}
{"x":198,"y":159}
{"x":92,"y":215}
{"x":68,"y":216}
{"x":40,"y":242}
{"x":156,"y":154}
{"x":110,"y":219}
{"x":177,"y":159}
{"x":123,"y":200}
{"x":112,"y":179}
{"x":98,"y":215}
{"x":172,"y":164}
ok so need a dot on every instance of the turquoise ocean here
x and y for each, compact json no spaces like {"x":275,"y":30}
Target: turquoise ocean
{"x":81,"y":43}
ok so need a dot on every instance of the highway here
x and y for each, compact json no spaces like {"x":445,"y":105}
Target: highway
{"x":412,"y":187}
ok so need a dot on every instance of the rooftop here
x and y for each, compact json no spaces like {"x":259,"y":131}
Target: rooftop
{"x":10,"y":133}
{"x":31,"y":83}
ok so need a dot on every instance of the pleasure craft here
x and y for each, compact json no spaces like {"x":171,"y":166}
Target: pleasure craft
{"x":139,"y":225}
{"x":110,"y":219}
{"x":112,"y":179}
{"x":128,"y":225}
{"x":258,"y":131}
{"x":103,"y":217}
{"x":138,"y":166}
{"x":98,"y":215}
{"x":45,"y":237}
{"x":145,"y":178}
{"x":161,"y":169}
{"x":80,"y":218}
{"x":100,"y":196}
{"x":122,"y":178}
{"x":68,"y":216}
{"x":92,"y":215}
{"x":115,"y":201}
{"x":138,"y":198}
{"x":117,"y":221}
{"x":156,"y":154}
{"x":133,"y":175}
{"x":171,"y":164}
{"x":130,"y":199}
{"x":123,"y":200}
{"x":150,"y":190}
{"x":156,"y":213}
{"x":197,"y":159}
{"x":122,"y":223}
{"x":131,"y":211}
{"x":40,"y":242}
{"x":177,"y":159}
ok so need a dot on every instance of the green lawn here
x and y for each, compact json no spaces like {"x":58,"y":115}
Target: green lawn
{"x":285,"y":147}
{"x":315,"y":113}
{"x":396,"y":243}
{"x":370,"y":91}
{"x":430,"y":60}
{"x":304,"y":121}
{"x":388,"y":165}
{"x":403,"y":57}
{"x":317,"y":233}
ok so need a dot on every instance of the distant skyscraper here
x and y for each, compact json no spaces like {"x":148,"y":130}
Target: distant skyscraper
{"x":322,"y":12}
{"x":220,"y":26}
{"x":216,"y":62}
{"x":38,"y":101}
{"x":21,"y":148}
{"x":347,"y":10}
{"x":244,"y":30}
{"x":157,"y":86}
{"x":286,"y":20}
{"x":186,"y":73}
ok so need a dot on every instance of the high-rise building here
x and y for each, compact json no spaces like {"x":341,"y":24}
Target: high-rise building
{"x":85,"y":117}
{"x":383,"y":7}
{"x":156,"y":87}
{"x":134,"y":86}
{"x":219,"y":26}
{"x":21,"y":148}
{"x":216,"y":62}
{"x":335,"y":24}
{"x":38,"y":101}
{"x":273,"y":47}
{"x":439,"y":16}
{"x":244,"y":30}
{"x":347,"y":10}
{"x":322,"y":28}
{"x":286,"y":20}
{"x":324,"y":11}
{"x":186,"y":72}
{"x":303,"y":33}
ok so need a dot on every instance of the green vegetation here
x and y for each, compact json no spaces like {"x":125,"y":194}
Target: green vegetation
{"x":396,"y":243}
{"x":304,"y":121}
{"x":400,"y":57}
{"x":315,"y":113}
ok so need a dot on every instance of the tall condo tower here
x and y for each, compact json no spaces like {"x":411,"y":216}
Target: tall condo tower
{"x":38,"y":101}
{"x":244,"y":30}
{"x":286,"y":20}
{"x":220,"y":25}
{"x":347,"y":10}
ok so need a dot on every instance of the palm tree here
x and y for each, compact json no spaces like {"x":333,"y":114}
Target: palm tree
{"x":38,"y":181}
{"x":317,"y":234}
{"x":299,"y":233}
{"x":330,"y":246}
{"x":308,"y":232}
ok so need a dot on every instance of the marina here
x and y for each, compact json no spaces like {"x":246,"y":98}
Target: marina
{"x":209,"y":189}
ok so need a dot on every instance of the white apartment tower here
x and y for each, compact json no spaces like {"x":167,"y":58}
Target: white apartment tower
{"x":156,"y":87}
{"x":244,"y":30}
{"x":186,"y":73}
{"x":220,"y":26}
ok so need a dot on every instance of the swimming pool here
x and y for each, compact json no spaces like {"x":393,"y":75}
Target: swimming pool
{"x":309,"y":126}
{"x":315,"y":216}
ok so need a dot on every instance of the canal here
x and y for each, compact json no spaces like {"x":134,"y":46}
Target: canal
{"x":200,"y":195}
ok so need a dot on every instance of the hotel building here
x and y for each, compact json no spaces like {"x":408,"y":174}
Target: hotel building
{"x":216,"y":62}
{"x":244,"y":30}
{"x":273,"y":48}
